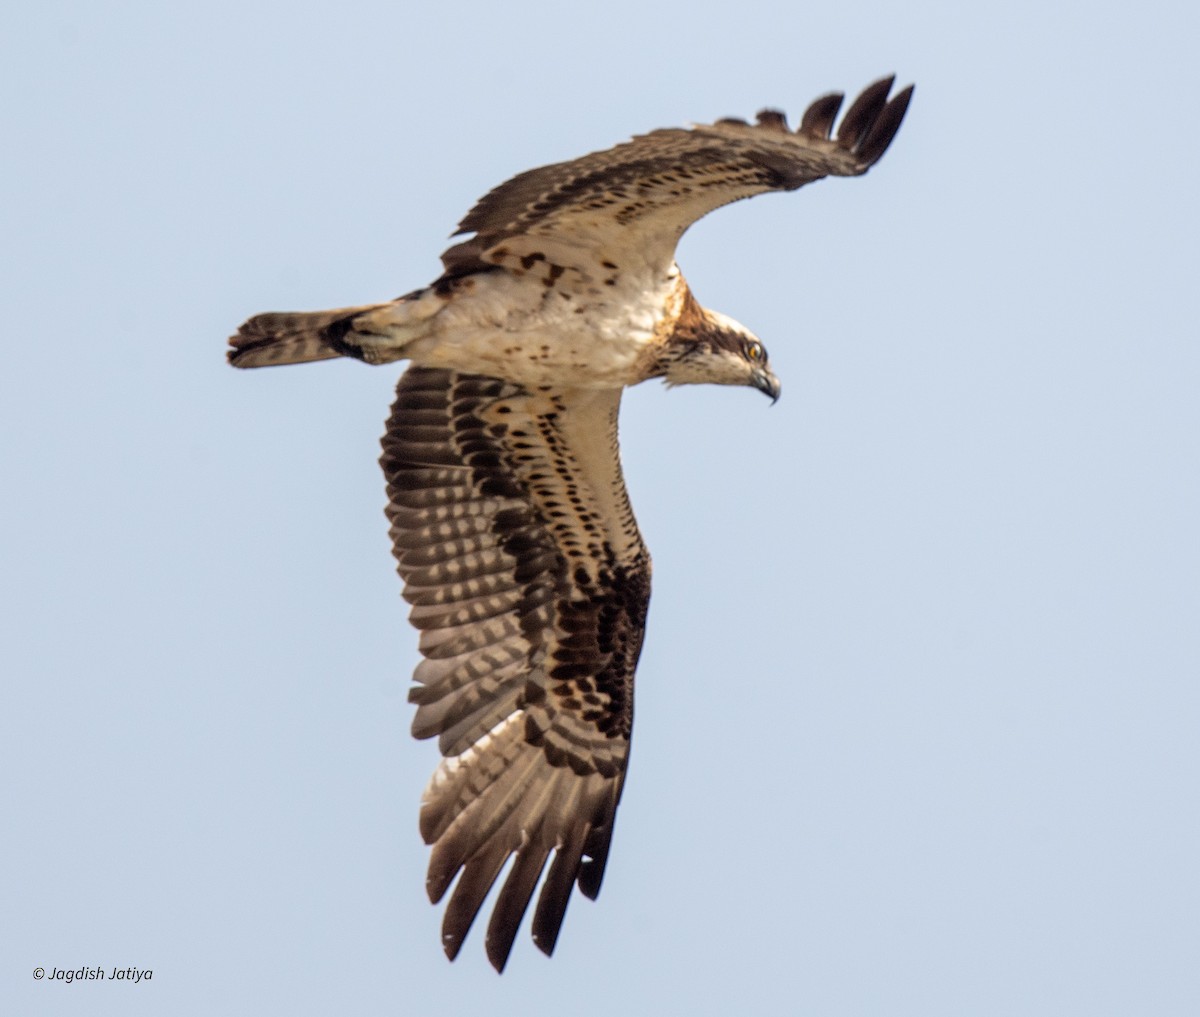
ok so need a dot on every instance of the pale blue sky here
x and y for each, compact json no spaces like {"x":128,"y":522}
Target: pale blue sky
{"x":918,"y":710}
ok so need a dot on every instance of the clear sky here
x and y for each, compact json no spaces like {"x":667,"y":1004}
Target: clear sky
{"x":918,"y":710}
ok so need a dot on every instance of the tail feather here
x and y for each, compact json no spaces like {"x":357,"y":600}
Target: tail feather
{"x":293,"y":337}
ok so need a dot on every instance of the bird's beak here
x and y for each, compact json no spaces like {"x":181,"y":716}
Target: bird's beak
{"x":766,"y":383}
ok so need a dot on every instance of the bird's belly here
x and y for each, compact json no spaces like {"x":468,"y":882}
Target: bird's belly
{"x":563,"y":331}
{"x":533,"y":359}
{"x":580,"y":351}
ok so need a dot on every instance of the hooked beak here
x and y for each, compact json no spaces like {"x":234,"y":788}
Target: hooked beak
{"x":766,"y":383}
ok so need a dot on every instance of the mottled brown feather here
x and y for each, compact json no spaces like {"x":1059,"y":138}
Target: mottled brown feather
{"x":644,"y":193}
{"x":530,"y":648}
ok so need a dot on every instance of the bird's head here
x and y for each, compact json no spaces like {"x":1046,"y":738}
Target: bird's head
{"x":708,"y":348}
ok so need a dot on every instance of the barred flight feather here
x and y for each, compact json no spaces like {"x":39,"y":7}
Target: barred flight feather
{"x":496,"y":606}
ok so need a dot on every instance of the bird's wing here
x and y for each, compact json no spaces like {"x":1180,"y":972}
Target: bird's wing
{"x":529,"y":583}
{"x":635,"y":200}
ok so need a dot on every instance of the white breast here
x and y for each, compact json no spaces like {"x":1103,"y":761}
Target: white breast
{"x":567,"y":330}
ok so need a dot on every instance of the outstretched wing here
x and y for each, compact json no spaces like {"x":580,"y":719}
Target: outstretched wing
{"x":529,"y":583}
{"x":642,"y":195}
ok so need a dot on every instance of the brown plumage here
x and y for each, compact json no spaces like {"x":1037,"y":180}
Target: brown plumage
{"x":531,"y":625}
{"x":652,"y":188}
{"x":527,"y":576}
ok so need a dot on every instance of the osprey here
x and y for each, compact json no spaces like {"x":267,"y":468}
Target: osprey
{"x":520,"y":556}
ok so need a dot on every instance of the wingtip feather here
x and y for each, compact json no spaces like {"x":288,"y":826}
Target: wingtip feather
{"x":883,"y":130}
{"x":818,"y":119}
{"x":773,"y":119}
{"x":863,"y":112}
{"x":513,"y":901}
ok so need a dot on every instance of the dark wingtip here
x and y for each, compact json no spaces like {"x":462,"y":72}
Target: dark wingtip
{"x":862,"y":114}
{"x":773,"y":119}
{"x":818,"y":119}
{"x":884,"y":129}
{"x":436,"y":884}
{"x":498,"y":948}
{"x":451,"y":945}
{"x":591,"y":869}
{"x":556,"y":892}
{"x":546,"y":940}
{"x":251,"y":336}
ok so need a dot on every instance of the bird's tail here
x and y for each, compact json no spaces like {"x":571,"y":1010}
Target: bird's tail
{"x":296,"y":337}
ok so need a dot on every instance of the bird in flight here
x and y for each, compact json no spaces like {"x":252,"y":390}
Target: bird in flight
{"x":528,"y":579}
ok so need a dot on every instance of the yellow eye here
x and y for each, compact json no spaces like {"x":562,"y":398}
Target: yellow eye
{"x":754,"y":351}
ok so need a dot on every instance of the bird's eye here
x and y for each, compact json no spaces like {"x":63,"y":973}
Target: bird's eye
{"x":755,"y":352}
